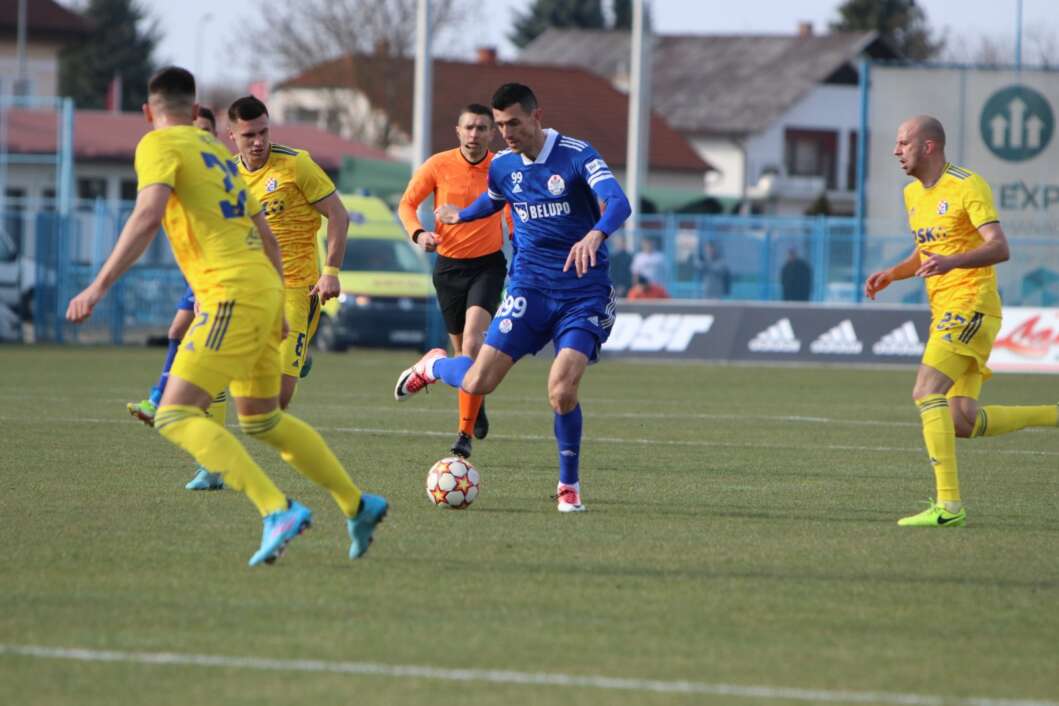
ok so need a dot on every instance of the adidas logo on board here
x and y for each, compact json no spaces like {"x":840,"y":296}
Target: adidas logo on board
{"x":777,"y":338}
{"x":903,"y":340}
{"x":841,"y":340}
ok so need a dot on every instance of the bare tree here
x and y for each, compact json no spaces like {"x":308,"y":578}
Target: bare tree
{"x":362,"y":44}
{"x":1040,"y":47}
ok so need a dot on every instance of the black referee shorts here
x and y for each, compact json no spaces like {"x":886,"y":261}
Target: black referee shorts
{"x":463,"y":283}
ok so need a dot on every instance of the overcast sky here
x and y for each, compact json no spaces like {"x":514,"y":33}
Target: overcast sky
{"x":964,"y":21}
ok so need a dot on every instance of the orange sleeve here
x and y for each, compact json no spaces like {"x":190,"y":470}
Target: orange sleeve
{"x":421,"y":185}
{"x":510,"y":223}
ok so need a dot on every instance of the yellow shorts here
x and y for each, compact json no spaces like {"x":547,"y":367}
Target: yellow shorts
{"x":303,"y":316}
{"x":235,"y":343}
{"x":959,"y":346}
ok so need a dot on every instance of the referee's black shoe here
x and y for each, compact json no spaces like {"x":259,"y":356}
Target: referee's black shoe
{"x":462,"y":446}
{"x":481,"y":424}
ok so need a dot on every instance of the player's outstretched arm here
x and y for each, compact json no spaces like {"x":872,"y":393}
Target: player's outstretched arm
{"x":484,"y":206}
{"x":994,"y":250}
{"x":332,"y":208}
{"x":137,"y":234}
{"x":878,"y":281}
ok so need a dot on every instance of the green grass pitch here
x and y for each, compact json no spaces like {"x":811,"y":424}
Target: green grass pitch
{"x":740,"y":531}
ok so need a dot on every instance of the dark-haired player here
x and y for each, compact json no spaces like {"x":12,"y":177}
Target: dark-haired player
{"x":559,"y":289}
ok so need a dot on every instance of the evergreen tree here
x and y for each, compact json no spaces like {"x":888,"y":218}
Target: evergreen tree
{"x":542,"y":14}
{"x":901,"y":22}
{"x":122,"y":43}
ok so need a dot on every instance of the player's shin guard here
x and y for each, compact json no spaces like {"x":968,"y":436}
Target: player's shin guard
{"x":218,"y":409}
{"x":215,"y":448}
{"x":939,"y":434}
{"x":568,"y":439}
{"x":994,"y":420}
{"x":451,"y":370}
{"x":303,"y":448}
{"x":469,"y":406}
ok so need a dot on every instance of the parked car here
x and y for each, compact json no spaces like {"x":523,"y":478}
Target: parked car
{"x":387,"y":291}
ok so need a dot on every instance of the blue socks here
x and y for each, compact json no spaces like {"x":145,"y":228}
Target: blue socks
{"x":159,"y":387}
{"x":568,"y":439}
{"x":451,"y":370}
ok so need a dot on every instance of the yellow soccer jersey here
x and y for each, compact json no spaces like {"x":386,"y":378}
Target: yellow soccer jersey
{"x":207,"y":217}
{"x":945,"y":220}
{"x":288,"y":185}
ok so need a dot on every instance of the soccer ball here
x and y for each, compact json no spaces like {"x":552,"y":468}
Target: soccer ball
{"x":453,"y":483}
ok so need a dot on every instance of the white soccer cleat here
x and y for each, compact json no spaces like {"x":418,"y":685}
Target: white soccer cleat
{"x":568,"y":499}
{"x":418,"y":376}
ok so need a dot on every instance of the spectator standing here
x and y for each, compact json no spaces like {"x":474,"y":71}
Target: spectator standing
{"x":620,"y":266}
{"x":796,"y":278}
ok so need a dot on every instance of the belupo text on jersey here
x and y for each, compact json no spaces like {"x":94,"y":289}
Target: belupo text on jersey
{"x":555,"y":199}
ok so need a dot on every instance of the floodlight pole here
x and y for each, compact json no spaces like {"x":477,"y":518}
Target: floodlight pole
{"x":423,"y":97}
{"x":638,"y":136}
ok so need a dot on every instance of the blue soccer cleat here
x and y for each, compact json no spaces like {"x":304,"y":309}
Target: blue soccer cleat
{"x":280,"y":528}
{"x":204,"y":480}
{"x":372,"y":509}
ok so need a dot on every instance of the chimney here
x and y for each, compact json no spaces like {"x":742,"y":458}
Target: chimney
{"x":805,"y":29}
{"x":487,"y":56}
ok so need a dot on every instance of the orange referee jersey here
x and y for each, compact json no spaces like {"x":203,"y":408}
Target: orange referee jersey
{"x":453,"y":180}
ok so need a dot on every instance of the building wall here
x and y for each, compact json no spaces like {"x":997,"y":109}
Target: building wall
{"x":726,"y":155}
{"x":42,"y":64}
{"x":826,"y":107}
{"x":341,"y":111}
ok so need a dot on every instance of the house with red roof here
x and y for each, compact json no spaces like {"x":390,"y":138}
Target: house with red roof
{"x":370,"y":97}
{"x":105,"y":143}
{"x":49,"y":27}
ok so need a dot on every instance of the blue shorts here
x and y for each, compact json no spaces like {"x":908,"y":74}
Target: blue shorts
{"x":187,"y":302}
{"x":529,"y":318}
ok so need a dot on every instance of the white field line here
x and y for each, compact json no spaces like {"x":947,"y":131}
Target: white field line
{"x":506,"y":677}
{"x":634,"y":441}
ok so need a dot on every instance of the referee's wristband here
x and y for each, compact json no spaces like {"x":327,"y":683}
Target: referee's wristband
{"x":415,"y":236}
{"x":331,"y":271}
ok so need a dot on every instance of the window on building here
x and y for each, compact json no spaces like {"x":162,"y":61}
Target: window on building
{"x":128,"y":189}
{"x":91,"y":188}
{"x":298,"y":114}
{"x":812,"y":153}
{"x":854,"y":152}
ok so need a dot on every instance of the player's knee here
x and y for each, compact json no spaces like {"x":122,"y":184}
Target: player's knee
{"x":259,"y":425}
{"x":562,"y":397}
{"x":963,"y":429}
{"x":475,"y":383}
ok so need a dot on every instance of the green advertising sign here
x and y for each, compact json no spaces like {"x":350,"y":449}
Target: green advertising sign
{"x":1017,"y":123}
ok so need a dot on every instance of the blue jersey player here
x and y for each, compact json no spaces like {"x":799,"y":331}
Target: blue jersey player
{"x":559,"y":289}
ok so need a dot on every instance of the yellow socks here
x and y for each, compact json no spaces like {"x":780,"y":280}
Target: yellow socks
{"x":302,"y":447}
{"x":218,"y":409}
{"x":994,"y":420}
{"x":940,"y":437}
{"x":215,"y":448}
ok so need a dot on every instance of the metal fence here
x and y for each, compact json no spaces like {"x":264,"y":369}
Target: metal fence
{"x":45,"y":259}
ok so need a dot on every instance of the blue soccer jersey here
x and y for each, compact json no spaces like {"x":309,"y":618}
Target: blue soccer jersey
{"x":555,"y":203}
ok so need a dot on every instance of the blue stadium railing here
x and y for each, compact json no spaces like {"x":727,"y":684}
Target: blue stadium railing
{"x":59,"y":256}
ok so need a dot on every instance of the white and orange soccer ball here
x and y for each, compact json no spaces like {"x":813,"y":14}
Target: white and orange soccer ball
{"x":453,"y":483}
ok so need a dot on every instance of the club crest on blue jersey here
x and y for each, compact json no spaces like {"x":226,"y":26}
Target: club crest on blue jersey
{"x":505,"y":326}
{"x":556,"y":185}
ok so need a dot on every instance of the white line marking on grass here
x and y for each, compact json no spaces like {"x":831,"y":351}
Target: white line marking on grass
{"x":635,"y":441}
{"x":506,"y":677}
